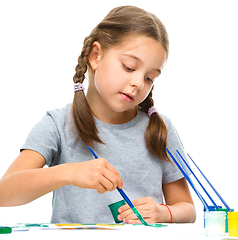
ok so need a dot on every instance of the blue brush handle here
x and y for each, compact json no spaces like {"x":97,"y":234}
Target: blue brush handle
{"x":197,"y":180}
{"x":228,"y":208}
{"x":94,"y":154}
{"x":189,"y":180}
{"x":128,"y":201}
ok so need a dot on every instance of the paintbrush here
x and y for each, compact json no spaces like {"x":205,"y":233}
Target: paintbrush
{"x":196,"y":178}
{"x":128,"y":201}
{"x":189,"y":180}
{"x":227,"y":207}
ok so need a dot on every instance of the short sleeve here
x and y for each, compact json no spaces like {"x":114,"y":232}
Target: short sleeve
{"x":171,"y":172}
{"x":44,"y":138}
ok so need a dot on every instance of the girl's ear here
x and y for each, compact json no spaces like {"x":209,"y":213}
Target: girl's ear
{"x":95,"y":55}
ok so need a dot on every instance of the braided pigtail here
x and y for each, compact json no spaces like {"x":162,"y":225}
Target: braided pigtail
{"x":81,"y":111}
{"x":156,"y":132}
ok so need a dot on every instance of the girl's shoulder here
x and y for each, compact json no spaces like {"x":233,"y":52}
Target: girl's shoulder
{"x":63,"y":112}
{"x":59,"y":116}
{"x":167,"y":120}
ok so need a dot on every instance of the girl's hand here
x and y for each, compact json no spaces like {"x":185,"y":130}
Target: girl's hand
{"x":94,"y":174}
{"x":149,"y":210}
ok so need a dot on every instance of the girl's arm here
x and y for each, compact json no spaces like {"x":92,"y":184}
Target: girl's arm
{"x":26,"y":179}
{"x":178,"y":198}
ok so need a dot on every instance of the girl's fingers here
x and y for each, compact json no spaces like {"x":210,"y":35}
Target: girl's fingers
{"x":144,"y":207}
{"x":101,"y":189}
{"x":109,"y":181}
{"x":108,"y":177}
{"x":131,"y":218}
{"x":128,"y":214}
{"x":116,"y":173}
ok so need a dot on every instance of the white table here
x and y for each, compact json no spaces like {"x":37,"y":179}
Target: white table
{"x":171,"y":232}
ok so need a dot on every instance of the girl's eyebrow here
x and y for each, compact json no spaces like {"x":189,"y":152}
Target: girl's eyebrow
{"x":139,"y":60}
{"x":132,"y":56}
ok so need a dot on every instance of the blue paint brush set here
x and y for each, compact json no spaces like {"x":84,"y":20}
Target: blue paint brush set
{"x":218,"y":220}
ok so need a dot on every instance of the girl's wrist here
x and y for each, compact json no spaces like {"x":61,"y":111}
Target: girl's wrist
{"x":169,"y":213}
{"x":63,"y":174}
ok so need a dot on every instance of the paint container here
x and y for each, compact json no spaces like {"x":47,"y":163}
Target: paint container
{"x":215,"y":223}
{"x":233,"y":224}
{"x":210,"y":208}
{"x":226,"y":221}
{"x":114,"y":209}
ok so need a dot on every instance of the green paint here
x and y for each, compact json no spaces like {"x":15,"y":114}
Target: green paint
{"x":36,"y":225}
{"x":139,"y":216}
{"x":29,"y":225}
{"x":144,"y":222}
{"x":5,"y":230}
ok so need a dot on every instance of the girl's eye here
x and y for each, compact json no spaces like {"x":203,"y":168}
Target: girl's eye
{"x":128,"y":69}
{"x":132,"y":70}
{"x":148,"y":79}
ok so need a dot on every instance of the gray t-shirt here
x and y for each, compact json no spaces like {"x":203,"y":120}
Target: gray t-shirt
{"x":125,"y":149}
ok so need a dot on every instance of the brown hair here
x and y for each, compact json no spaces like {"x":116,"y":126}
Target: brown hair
{"x":120,"y":23}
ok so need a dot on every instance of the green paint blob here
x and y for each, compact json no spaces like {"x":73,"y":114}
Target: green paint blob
{"x":5,"y":230}
{"x":144,"y":222}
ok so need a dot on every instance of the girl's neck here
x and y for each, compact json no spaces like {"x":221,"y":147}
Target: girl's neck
{"x":117,"y":118}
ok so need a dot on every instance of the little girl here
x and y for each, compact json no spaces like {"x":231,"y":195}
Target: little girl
{"x":123,"y":55}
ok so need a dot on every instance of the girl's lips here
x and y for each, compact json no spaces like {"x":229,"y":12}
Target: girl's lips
{"x":127,"y":97}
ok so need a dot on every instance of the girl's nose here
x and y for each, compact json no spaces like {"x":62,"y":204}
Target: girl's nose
{"x":137,"y":82}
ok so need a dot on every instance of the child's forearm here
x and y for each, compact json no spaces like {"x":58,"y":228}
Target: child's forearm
{"x":27,"y":185}
{"x":183,"y":212}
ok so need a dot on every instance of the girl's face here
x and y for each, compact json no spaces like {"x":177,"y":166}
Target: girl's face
{"x":124,"y":75}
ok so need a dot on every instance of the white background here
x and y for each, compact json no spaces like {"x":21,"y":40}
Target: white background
{"x":40,"y":42}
